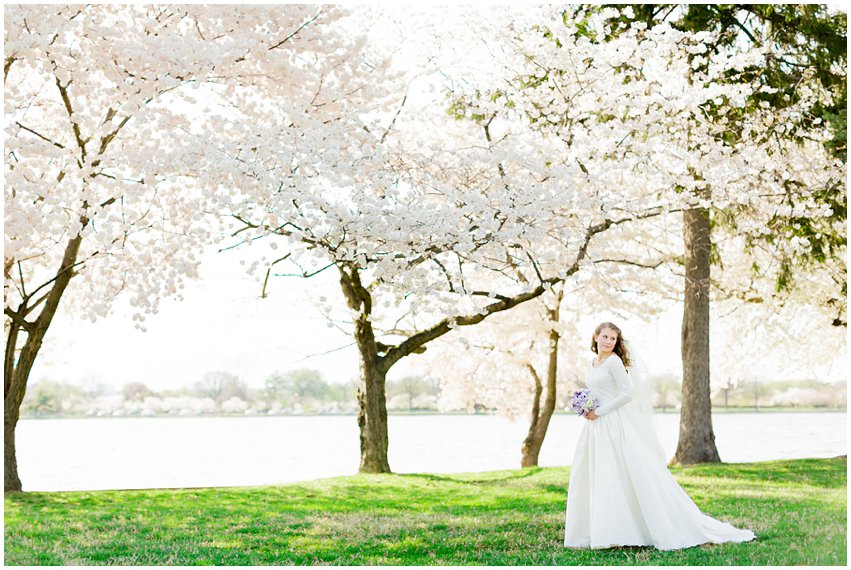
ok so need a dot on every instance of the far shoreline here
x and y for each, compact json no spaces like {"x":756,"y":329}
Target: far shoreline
{"x":743,"y":410}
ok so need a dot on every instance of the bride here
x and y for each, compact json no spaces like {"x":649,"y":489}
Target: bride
{"x":621,"y":492}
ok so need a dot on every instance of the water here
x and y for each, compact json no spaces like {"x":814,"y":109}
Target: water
{"x":134,"y":453}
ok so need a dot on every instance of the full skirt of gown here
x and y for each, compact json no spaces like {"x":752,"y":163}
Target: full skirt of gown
{"x":621,"y":492}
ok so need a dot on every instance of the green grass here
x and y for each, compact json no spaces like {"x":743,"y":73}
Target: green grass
{"x":797,"y":508}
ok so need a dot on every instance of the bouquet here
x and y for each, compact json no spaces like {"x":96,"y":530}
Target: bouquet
{"x":583,"y":401}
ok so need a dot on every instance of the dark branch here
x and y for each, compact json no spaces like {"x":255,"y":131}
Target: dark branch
{"x":396,"y":116}
{"x":292,"y":35}
{"x":269,"y":271}
{"x":39,"y":135}
{"x":75,"y":127}
{"x":304,"y":273}
{"x":628,"y":262}
{"x":18,"y":319}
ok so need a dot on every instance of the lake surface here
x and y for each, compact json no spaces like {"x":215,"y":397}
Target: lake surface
{"x":134,"y":453}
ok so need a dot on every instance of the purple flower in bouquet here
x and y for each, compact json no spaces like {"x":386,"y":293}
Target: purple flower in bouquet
{"x":583,"y":401}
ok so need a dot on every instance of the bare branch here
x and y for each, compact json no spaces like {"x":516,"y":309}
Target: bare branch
{"x":292,"y":35}
{"x":304,"y":274}
{"x":23,"y":284}
{"x":509,"y":259}
{"x":269,"y":271}
{"x":8,"y":64}
{"x":446,"y":273}
{"x":59,"y":274}
{"x":535,"y":266}
{"x":39,"y":135}
{"x":490,"y":294}
{"x":104,"y":142}
{"x":499,"y":166}
{"x":75,"y":127}
{"x":396,"y":116}
{"x":628,"y":262}
{"x":327,"y":351}
{"x":18,"y":319}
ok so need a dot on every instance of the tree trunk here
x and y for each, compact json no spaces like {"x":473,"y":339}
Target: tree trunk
{"x":541,"y":418}
{"x":372,"y":417}
{"x":17,"y":372}
{"x":372,"y":405}
{"x":532,"y":444}
{"x":697,"y":440}
{"x":11,"y":481}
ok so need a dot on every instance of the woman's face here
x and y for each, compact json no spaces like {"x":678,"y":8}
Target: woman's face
{"x":606,"y":340}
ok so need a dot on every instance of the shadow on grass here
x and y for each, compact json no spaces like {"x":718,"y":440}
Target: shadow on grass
{"x":475,"y":478}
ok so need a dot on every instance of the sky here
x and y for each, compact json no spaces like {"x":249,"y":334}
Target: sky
{"x":221,"y":324}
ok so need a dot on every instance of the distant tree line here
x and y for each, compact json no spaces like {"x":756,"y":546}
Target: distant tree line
{"x":305,"y":391}
{"x":784,"y":393}
{"x":302,"y":391}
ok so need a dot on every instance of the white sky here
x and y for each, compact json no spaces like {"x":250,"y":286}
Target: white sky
{"x":222,"y":324}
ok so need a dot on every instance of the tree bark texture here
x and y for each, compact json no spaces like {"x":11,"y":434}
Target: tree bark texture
{"x":541,"y":418}
{"x":696,"y":439}
{"x":372,"y":405}
{"x":17,"y":371}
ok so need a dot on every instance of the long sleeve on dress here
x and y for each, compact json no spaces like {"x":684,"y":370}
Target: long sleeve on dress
{"x":624,"y":383}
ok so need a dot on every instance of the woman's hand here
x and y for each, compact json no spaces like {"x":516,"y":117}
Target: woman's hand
{"x":591,"y":415}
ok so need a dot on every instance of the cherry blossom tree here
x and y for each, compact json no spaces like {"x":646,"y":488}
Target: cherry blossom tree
{"x":436,"y":224}
{"x":686,"y":118}
{"x":427,"y":228}
{"x":115,"y":119}
{"x":804,"y":55}
{"x":422,"y":244}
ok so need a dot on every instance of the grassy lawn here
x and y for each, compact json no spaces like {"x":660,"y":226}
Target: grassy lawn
{"x":797,"y":508}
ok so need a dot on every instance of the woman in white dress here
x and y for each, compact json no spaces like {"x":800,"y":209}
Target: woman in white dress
{"x":621,"y":492}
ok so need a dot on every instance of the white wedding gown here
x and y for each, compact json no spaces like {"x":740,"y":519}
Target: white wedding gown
{"x":620,"y":491}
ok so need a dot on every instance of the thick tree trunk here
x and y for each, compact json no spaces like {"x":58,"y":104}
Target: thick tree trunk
{"x":11,"y":481}
{"x":533,"y":442}
{"x":372,"y":417}
{"x":541,"y":418}
{"x":372,"y":405}
{"x":697,"y":440}
{"x":17,"y":372}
